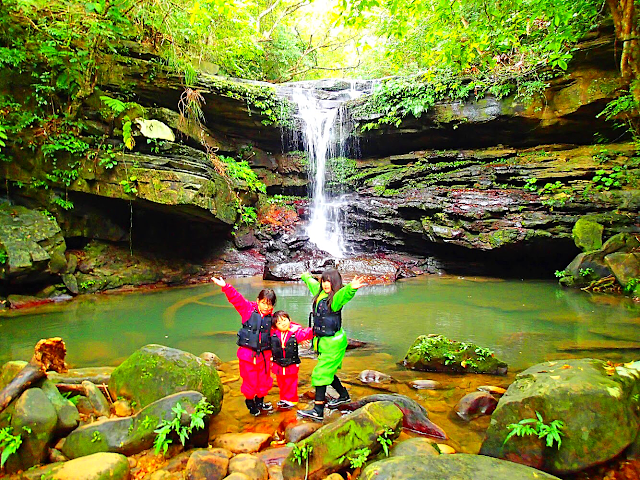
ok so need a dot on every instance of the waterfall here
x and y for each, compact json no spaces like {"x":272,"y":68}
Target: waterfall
{"x":323,"y":139}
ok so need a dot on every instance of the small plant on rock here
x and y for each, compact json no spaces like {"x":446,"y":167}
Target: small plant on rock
{"x":535,"y":426}
{"x":166,"y":427}
{"x":385,"y":440}
{"x":300,"y":454}
{"x":9,"y":444}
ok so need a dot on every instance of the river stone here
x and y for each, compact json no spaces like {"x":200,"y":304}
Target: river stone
{"x":331,"y":443}
{"x":99,"y":466}
{"x":274,"y":456}
{"x":475,"y":404}
{"x":621,"y":242}
{"x":207,"y":464}
{"x":34,"y":418}
{"x":67,"y":412}
{"x":413,"y":446}
{"x":295,"y":433}
{"x":96,"y":398}
{"x":593,"y":399}
{"x":242,"y":442}
{"x":155,"y":371}
{"x":454,"y":467}
{"x":425,"y":384}
{"x":249,"y":465}
{"x":133,"y":434}
{"x":436,"y":353}
{"x":587,"y":234}
{"x":624,"y":266}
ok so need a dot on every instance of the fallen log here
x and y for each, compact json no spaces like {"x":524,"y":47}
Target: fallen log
{"x":48,"y":354}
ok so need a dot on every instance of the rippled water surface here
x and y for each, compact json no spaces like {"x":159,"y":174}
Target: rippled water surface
{"x":523,"y":322}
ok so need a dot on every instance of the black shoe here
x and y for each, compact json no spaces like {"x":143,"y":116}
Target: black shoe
{"x":338,"y":401}
{"x":253,"y":408}
{"x":262,"y":405}
{"x":312,"y":414}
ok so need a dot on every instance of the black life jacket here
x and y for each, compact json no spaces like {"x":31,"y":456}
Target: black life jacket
{"x":288,"y":355}
{"x":254,"y":333}
{"x":326,"y":322}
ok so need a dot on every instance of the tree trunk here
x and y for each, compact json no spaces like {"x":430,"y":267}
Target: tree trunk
{"x":49,"y":354}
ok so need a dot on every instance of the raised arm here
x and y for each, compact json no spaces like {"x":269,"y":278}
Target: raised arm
{"x":312,"y":284}
{"x":346,"y":293}
{"x":243,"y":306}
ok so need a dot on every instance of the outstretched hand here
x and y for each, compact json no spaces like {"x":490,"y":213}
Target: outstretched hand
{"x":358,"y":281}
{"x":218,"y":281}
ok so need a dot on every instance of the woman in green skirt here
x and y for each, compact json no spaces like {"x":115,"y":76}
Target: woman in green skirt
{"x":329,"y":339}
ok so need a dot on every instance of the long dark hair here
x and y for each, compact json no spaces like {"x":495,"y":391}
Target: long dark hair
{"x":332,"y":275}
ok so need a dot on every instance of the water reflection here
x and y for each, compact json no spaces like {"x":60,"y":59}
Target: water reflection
{"x":524,"y":322}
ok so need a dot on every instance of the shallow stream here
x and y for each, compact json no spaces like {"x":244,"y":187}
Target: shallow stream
{"x":523,"y":322}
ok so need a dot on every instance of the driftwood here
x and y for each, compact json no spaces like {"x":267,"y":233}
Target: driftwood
{"x":80,"y":390}
{"x":49,"y":354}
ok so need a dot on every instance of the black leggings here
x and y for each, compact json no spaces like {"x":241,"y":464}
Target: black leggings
{"x":321,"y":390}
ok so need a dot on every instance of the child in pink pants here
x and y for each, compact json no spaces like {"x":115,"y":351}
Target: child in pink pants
{"x":285,"y":336}
{"x":254,"y":342}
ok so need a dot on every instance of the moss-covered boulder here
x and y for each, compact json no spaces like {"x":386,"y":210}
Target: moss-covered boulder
{"x":155,"y":371}
{"x":597,"y":403}
{"x":587,"y":234}
{"x":99,"y":466}
{"x":453,"y":467}
{"x":333,"y":445}
{"x":436,"y":353}
{"x":133,"y":434}
{"x":625,"y":266}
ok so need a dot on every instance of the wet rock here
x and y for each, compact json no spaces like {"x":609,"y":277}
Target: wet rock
{"x":289,"y":271}
{"x":248,"y":465}
{"x":436,"y":353}
{"x":413,"y":446}
{"x":155,"y":371}
{"x":274,"y":456}
{"x":67,"y":412}
{"x":475,"y":404}
{"x":207,"y":465}
{"x":242,"y":442}
{"x":56,"y":455}
{"x":99,"y":466}
{"x":133,"y":434}
{"x":425,"y":384}
{"x":331,"y":443}
{"x":414,"y":416}
{"x":591,"y":398}
{"x":275,"y":472}
{"x":625,"y":266}
{"x":449,"y":467}
{"x":492,"y":389}
{"x":300,"y":431}
{"x":71,"y":283}
{"x":211,"y":359}
{"x":373,"y":376}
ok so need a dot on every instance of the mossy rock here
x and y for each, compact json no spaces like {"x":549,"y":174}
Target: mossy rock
{"x":333,"y":444}
{"x":155,"y":371}
{"x":436,"y":353}
{"x":587,"y":234}
{"x":597,"y":403}
{"x":450,"y":467}
{"x":130,"y":435}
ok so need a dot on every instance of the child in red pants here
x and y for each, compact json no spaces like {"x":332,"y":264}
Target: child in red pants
{"x":254,"y":342}
{"x":285,"y":336}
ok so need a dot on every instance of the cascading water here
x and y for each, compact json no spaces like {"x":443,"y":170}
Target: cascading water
{"x":323,"y":139}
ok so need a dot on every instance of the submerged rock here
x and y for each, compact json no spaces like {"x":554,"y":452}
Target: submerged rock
{"x":596,"y":402}
{"x":436,"y":353}
{"x":414,"y":416}
{"x":475,"y":404}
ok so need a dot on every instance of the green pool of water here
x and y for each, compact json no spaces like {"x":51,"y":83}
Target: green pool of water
{"x":523,"y":322}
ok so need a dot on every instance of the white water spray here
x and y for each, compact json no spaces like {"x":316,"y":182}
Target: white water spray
{"x":322,"y":140}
